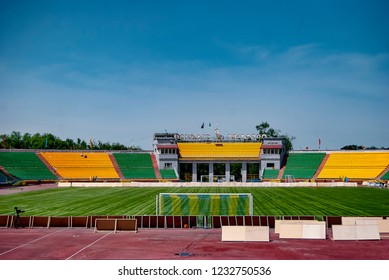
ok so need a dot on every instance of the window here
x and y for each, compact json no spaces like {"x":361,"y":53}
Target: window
{"x":168,"y":151}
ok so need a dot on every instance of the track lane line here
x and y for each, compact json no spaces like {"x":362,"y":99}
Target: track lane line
{"x":32,"y":241}
{"x":86,"y":247}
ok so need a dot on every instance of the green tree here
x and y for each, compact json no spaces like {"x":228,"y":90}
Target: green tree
{"x":49,"y":141}
{"x":26,"y":141}
{"x":265,"y":129}
{"x":70,"y":144}
{"x":15,"y":140}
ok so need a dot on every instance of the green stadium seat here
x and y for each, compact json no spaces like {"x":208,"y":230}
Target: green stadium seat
{"x":25,"y":166}
{"x":168,"y":174}
{"x":270,"y":173}
{"x":303,"y":165}
{"x":135,"y":165}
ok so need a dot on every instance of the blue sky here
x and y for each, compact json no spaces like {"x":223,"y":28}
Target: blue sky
{"x":119,"y":71}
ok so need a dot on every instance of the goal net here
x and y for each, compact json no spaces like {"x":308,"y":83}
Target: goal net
{"x":204,"y":204}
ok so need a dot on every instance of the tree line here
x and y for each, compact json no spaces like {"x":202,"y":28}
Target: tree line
{"x":358,"y":147}
{"x":16,"y":140}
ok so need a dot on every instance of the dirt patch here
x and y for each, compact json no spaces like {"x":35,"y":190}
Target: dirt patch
{"x":12,"y":190}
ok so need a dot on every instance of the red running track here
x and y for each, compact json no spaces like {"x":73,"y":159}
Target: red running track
{"x":171,"y":244}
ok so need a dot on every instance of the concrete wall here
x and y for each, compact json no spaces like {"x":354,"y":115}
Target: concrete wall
{"x":199,"y":184}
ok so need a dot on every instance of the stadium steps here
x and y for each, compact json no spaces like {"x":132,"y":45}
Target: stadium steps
{"x":49,"y":167}
{"x":155,"y":165}
{"x":6,"y":173}
{"x":382,"y":174}
{"x":281,"y":173}
{"x":321,"y":166}
{"x":116,"y":165}
{"x":282,"y":169}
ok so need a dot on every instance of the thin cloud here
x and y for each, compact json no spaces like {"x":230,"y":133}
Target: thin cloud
{"x":302,"y":91}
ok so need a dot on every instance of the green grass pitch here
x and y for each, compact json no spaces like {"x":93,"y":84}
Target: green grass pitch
{"x":361,"y":201}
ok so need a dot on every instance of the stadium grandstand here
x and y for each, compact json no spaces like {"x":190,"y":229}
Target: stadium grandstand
{"x":136,"y":165}
{"x":24,"y":166}
{"x":197,"y":158}
{"x":233,"y":158}
{"x":71,"y":165}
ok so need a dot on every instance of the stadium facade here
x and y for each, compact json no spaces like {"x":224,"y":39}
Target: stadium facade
{"x":235,"y":157}
{"x":198,"y":158}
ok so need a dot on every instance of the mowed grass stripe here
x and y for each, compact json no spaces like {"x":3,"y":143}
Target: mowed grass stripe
{"x":299,"y":201}
{"x":141,"y":201}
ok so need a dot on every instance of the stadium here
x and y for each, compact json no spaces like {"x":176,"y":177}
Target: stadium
{"x":218,"y":190}
{"x":245,"y":158}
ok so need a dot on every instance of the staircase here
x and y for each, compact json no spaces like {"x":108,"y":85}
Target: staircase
{"x":116,"y":165}
{"x":383,"y":173}
{"x":282,"y":169}
{"x":9,"y":175}
{"x":281,"y":173}
{"x":319,"y":169}
{"x":155,"y":165}
{"x":49,"y":167}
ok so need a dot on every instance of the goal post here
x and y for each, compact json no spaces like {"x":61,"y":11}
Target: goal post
{"x":204,"y":204}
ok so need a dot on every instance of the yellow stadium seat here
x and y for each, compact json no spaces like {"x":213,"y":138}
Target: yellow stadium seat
{"x":83,"y":165}
{"x":221,"y":151}
{"x":354,"y":165}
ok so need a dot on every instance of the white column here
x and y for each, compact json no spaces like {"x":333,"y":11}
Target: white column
{"x":244,"y":172}
{"x":194,"y":172}
{"x":210,"y":168}
{"x":228,"y":171}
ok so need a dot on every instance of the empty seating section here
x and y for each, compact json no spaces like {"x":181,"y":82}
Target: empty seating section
{"x":168,"y":174}
{"x":354,"y":165}
{"x":84,"y":165}
{"x":25,"y":166}
{"x":357,"y":165}
{"x":135,"y":165}
{"x":230,"y":151}
{"x":270,"y":173}
{"x":303,"y":165}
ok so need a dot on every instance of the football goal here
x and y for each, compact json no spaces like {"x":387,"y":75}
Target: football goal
{"x":204,"y":204}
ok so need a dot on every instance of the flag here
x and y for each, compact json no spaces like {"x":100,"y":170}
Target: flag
{"x":319,"y":142}
{"x":46,"y":143}
{"x":90,"y":143}
{"x":4,"y":143}
{"x":202,"y":126}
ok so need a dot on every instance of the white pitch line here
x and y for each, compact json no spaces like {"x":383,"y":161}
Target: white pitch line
{"x":79,"y":251}
{"x":18,"y":247}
